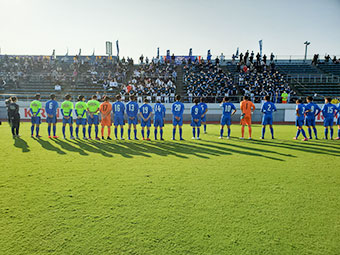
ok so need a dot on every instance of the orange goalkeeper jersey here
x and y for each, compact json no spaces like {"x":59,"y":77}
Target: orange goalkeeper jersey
{"x":247,"y":107}
{"x":105,"y":109}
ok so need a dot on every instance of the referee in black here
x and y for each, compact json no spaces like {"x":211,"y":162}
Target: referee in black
{"x":14,"y":117}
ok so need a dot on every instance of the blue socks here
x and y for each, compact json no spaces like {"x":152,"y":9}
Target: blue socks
{"x":148,"y":133}
{"x":221,"y":132}
{"x":339,"y":132}
{"x":326,"y":133}
{"x":89,"y":130}
{"x":298,"y":133}
{"x":49,"y":130}
{"x":229,"y":130}
{"x":198,"y":132}
{"x":310,"y":132}
{"x":180,"y":133}
{"x":54,"y":130}
{"x":63,"y":129}
{"x":129,"y":133}
{"x":155,"y":133}
{"x":143,"y":133}
{"x":32,"y":129}
{"x":332,"y":131}
{"x":161,"y":133}
{"x":315,"y":132}
{"x":37,"y":130}
{"x":193,"y":132}
{"x":135,"y":131}
{"x":121,"y":132}
{"x":272,"y":132}
{"x":116,"y":132}
{"x":84,"y":131}
{"x":263,"y":131}
{"x":173,"y":133}
{"x":77,"y":131}
{"x":96,"y":130}
{"x":71,"y":130}
{"x":205,"y":128}
{"x":303,"y":133}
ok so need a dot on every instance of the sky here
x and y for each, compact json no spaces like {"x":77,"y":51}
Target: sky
{"x":36,"y":27}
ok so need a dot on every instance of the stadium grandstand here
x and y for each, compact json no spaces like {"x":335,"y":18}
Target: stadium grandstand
{"x":161,"y":78}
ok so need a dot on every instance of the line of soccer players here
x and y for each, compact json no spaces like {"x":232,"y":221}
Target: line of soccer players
{"x":88,"y":114}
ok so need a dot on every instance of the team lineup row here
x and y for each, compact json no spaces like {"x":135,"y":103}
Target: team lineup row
{"x":89,"y":114}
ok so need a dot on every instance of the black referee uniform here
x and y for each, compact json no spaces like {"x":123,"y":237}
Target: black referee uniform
{"x":14,"y":118}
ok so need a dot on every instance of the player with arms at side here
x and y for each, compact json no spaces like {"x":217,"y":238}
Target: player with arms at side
{"x":105,"y":110}
{"x":118,"y":109}
{"x":196,"y":115}
{"x":66,"y":111}
{"x":228,"y":109}
{"x":80,"y":109}
{"x":93,"y":118}
{"x":132,"y":113}
{"x":14,"y":117}
{"x":51,"y":107}
{"x":247,"y":109}
{"x":177,"y":110}
{"x":328,"y":111}
{"x":145,"y":112}
{"x":300,"y":119}
{"x":158,"y":121}
{"x":204,"y":110}
{"x":267,"y":119}
{"x":35,"y":109}
{"x":312,"y":110}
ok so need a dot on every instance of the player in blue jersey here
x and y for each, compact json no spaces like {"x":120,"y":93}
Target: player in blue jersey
{"x":267,"y":119}
{"x":158,"y":121}
{"x":328,"y":111}
{"x":204,"y":110}
{"x":177,"y":110}
{"x":196,"y":115}
{"x":145,"y":112}
{"x":300,"y":118}
{"x":66,"y":111}
{"x":312,"y":110}
{"x":51,"y":107}
{"x":132,"y":113}
{"x":228,"y":109}
{"x":118,"y":109}
{"x":338,"y":122}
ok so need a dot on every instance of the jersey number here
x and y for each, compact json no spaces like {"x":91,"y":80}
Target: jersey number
{"x":177,"y":108}
{"x":117,"y":108}
{"x":227,"y":108}
{"x":131,"y":107}
{"x":145,"y":110}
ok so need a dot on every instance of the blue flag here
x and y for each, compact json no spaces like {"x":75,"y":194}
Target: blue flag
{"x":260,"y":43}
{"x":236,"y":55}
{"x":208,"y":55}
{"x":158,"y":52}
{"x":117,"y":48}
{"x":190,"y":52}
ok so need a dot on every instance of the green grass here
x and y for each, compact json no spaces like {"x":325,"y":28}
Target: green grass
{"x":193,"y":197}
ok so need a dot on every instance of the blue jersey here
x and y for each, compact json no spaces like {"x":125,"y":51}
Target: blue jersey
{"x":301,"y":108}
{"x":204,"y":107}
{"x":51,"y":107}
{"x":196,"y":112}
{"x":177,"y":109}
{"x":268,"y":108}
{"x":314,"y":109}
{"x":227,"y":109}
{"x":328,"y":110}
{"x":118,"y":109}
{"x":145,"y":109}
{"x":159,"y":110}
{"x":132,"y":109}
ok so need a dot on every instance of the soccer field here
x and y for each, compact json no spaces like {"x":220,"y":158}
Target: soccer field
{"x":170,"y":197}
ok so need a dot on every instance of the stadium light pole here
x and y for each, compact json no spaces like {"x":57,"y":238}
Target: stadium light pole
{"x":306,"y":43}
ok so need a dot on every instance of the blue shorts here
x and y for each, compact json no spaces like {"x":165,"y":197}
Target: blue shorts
{"x":338,"y":121}
{"x":81,"y":121}
{"x":204,"y":119}
{"x":177,"y":122}
{"x":310,"y":122}
{"x":68,"y":121}
{"x":94,"y":120}
{"x":158,"y":122}
{"x":145,"y":123}
{"x":225,"y":120}
{"x":36,"y":120}
{"x":267,"y":120}
{"x":328,"y":122}
{"x":51,"y":120}
{"x":133,"y":122}
{"x":195,"y":124}
{"x":299,"y":122}
{"x":118,"y":121}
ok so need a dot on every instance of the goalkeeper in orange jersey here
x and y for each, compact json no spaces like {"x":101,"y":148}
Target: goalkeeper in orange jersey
{"x":105,"y":111}
{"x":247,"y":109}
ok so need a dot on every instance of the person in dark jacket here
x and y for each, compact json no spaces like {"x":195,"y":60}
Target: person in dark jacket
{"x":14,"y":117}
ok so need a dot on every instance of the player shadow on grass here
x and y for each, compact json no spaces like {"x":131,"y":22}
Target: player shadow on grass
{"x":48,"y":146}
{"x":305,"y":147}
{"x":22,"y":144}
{"x":69,"y":147}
